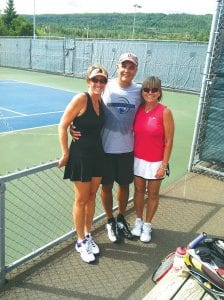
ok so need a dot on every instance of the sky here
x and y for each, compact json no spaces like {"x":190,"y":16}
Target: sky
{"x":106,"y":6}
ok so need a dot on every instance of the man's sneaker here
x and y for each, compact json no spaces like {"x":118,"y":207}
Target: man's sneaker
{"x":92,"y":245}
{"x":137,"y":228}
{"x":112,"y":232}
{"x":85,"y":251}
{"x":124,"y":229}
{"x":146,"y":233}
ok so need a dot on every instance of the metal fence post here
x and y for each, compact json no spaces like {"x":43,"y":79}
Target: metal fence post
{"x":2,"y":233}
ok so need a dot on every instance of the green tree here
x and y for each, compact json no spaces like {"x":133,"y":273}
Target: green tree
{"x":22,"y":27}
{"x":13,"y":25}
{"x":3,"y":29}
{"x":10,"y":13}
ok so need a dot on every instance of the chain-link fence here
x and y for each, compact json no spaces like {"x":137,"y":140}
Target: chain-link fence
{"x":208,"y":147}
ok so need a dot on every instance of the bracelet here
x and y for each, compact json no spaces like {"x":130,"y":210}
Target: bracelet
{"x":161,"y":167}
{"x":164,"y":167}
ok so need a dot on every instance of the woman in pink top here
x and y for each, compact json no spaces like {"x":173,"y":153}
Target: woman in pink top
{"x":153,"y":141}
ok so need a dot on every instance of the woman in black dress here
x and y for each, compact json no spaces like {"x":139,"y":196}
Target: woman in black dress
{"x":83,"y":160}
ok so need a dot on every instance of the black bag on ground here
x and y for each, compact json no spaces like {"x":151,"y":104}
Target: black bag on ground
{"x":206,"y":264}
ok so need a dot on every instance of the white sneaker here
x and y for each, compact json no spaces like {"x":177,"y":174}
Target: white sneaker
{"x":92,"y":245}
{"x":137,"y":228}
{"x":85,"y":251}
{"x":111,"y":231}
{"x":146,"y":233}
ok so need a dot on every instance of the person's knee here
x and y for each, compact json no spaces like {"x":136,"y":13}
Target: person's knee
{"x":80,"y":201}
{"x":124,"y":187}
{"x":140,"y":189}
{"x":153,"y":196}
{"x":106,"y":188}
{"x":92,"y":196}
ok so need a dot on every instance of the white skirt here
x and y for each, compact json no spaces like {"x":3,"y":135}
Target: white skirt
{"x":146,"y":169}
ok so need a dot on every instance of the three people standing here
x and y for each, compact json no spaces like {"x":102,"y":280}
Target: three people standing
{"x":111,"y":119}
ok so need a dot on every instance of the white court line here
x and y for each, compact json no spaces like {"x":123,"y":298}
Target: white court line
{"x":25,"y":129}
{"x":41,"y":114}
{"x":41,"y":85}
{"x":15,"y":112}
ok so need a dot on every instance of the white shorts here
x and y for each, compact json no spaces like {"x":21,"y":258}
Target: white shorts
{"x":146,"y":169}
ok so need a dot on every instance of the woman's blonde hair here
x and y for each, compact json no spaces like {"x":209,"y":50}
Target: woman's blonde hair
{"x":153,"y":82}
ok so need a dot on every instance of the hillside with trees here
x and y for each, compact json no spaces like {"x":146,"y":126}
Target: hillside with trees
{"x":107,"y":25}
{"x":120,"y":26}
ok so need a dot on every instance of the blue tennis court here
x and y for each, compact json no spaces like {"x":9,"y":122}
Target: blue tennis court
{"x":24,"y":105}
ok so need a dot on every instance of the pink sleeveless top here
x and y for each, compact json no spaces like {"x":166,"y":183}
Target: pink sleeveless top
{"x":149,"y":136}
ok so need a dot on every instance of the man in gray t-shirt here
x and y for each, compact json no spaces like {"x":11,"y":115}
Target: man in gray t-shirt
{"x":121,"y":100}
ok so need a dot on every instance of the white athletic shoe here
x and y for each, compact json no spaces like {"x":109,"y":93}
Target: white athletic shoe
{"x":137,"y":228}
{"x":92,"y":245}
{"x":111,"y":232}
{"x":146,"y":233}
{"x":85,"y":251}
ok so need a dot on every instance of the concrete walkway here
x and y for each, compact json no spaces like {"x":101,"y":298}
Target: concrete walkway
{"x":123,"y":271}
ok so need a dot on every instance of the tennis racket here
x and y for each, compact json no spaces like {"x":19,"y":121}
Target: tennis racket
{"x":166,"y":264}
{"x":163,"y":268}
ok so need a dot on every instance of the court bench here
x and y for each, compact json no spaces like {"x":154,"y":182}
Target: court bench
{"x":177,"y":287}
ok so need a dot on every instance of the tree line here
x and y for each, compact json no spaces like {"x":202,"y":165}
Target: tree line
{"x":123,"y":26}
{"x":108,"y":25}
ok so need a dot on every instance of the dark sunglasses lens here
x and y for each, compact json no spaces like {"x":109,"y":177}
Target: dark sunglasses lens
{"x":95,"y":80}
{"x":152,"y":90}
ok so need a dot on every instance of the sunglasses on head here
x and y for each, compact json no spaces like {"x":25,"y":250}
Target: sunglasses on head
{"x":152,"y":90}
{"x":95,"y":80}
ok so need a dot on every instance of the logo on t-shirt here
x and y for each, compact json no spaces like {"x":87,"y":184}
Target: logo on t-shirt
{"x":123,"y":106}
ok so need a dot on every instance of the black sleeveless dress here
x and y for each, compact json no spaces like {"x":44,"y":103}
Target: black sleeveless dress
{"x":86,"y":155}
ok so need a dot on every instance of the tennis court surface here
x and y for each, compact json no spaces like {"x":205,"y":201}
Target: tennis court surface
{"x":123,"y":271}
{"x":25,"y":106}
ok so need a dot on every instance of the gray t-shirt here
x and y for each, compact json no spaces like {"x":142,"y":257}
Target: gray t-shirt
{"x":120,"y":106}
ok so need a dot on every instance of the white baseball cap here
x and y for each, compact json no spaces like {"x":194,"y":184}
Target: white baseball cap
{"x":128,"y":57}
